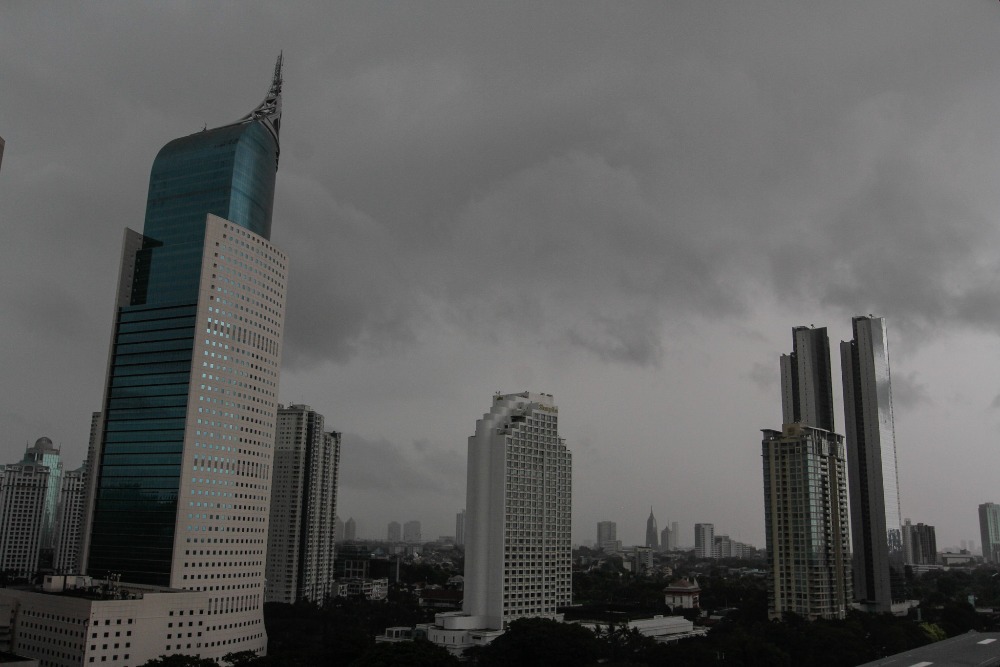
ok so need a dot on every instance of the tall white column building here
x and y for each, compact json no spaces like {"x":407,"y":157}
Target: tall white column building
{"x":300,"y":543}
{"x":704,"y":540}
{"x":519,"y":513}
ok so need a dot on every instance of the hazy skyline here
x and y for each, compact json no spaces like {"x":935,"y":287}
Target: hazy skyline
{"x":628,"y":206}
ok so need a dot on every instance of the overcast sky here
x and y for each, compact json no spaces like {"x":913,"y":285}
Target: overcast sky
{"x":626,"y":205}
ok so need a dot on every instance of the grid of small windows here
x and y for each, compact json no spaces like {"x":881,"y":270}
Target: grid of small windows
{"x":538,"y":499}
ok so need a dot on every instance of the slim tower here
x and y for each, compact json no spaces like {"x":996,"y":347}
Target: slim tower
{"x":989,"y":531}
{"x":300,"y":543}
{"x":29,"y":496}
{"x":652,"y":534}
{"x":460,"y":528}
{"x":518,"y":557}
{"x":876,"y":521}
{"x":181,"y":485}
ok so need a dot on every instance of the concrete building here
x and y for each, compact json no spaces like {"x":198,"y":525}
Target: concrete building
{"x":300,"y":543}
{"x":675,"y":535}
{"x":652,"y":534}
{"x":989,"y":531}
{"x":919,"y":543}
{"x":607,"y":536}
{"x":411,"y":532}
{"x":350,"y":530}
{"x":394,"y":532}
{"x":876,"y":520}
{"x":642,"y":559}
{"x":704,"y":540}
{"x":29,"y":498}
{"x":338,"y":530}
{"x":103,"y":622}
{"x":665,"y":539}
{"x":518,"y":559}
{"x":181,"y":489}
{"x":806,"y":522}
{"x":69,"y":521}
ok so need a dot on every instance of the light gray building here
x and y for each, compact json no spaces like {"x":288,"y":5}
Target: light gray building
{"x":704,"y":540}
{"x":411,"y":532}
{"x":876,"y":520}
{"x":394,"y":532}
{"x":806,"y":522}
{"x":29,"y":498}
{"x":300,"y":544}
{"x":518,"y":558}
{"x":460,"y":528}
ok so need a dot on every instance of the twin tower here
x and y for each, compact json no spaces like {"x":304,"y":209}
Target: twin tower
{"x":808,"y":469}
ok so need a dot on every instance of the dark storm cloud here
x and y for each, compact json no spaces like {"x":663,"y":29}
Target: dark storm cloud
{"x":400,"y":471}
{"x":908,"y":392}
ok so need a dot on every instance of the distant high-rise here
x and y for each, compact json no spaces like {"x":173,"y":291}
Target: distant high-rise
{"x":338,"y":529}
{"x":989,"y":531}
{"x":919,"y":543}
{"x":300,"y":543}
{"x":2,"y":145}
{"x":652,"y":534}
{"x":704,"y":540}
{"x":806,"y":522}
{"x":69,"y":520}
{"x":29,"y":497}
{"x":675,"y":534}
{"x":411,"y":532}
{"x":518,"y":559}
{"x":665,"y":539}
{"x":806,"y":384}
{"x":607,"y":535}
{"x":876,"y":521}
{"x":460,"y":528}
{"x":350,"y":530}
{"x":394,"y":532}
{"x":180,"y":488}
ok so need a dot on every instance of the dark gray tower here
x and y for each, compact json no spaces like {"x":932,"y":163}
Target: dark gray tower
{"x":876,"y":521}
{"x":806,"y":384}
{"x":652,"y":534}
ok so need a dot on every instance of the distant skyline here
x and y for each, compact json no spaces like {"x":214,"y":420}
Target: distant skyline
{"x":626,"y":206}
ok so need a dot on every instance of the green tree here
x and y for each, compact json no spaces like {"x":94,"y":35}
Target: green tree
{"x":540,"y":642}
{"x":419,"y":653}
{"x":180,"y":660}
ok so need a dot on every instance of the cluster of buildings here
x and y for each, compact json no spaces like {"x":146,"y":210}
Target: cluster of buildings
{"x":201,"y":497}
{"x":706,"y":543}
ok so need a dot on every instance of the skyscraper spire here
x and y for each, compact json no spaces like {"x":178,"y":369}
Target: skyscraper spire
{"x":269,"y":111}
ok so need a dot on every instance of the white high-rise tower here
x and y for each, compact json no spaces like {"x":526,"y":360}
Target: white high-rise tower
{"x":518,"y":559}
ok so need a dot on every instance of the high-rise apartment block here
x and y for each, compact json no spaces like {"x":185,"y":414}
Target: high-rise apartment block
{"x":806,"y":522}
{"x":989,"y":531}
{"x":394,"y":532}
{"x":300,"y":544}
{"x":518,"y":559}
{"x":460,"y":528}
{"x":411,"y":532}
{"x":704,"y":540}
{"x":69,"y":520}
{"x":805,"y":489}
{"x":607,"y":536}
{"x":180,"y":490}
{"x":675,"y":534}
{"x":919,"y":543}
{"x":29,"y":497}
{"x":652,"y":534}
{"x":876,"y":520}
{"x":665,"y":539}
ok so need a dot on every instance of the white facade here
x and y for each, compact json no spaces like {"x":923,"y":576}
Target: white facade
{"x":704,"y":540}
{"x":300,"y":546}
{"x":72,"y":631}
{"x":69,"y":521}
{"x":519,"y":501}
{"x":221,"y":522}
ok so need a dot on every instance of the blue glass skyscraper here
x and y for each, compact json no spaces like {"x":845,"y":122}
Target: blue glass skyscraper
{"x":181,"y":485}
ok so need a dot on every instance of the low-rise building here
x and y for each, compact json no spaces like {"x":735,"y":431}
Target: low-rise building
{"x":682,"y":594}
